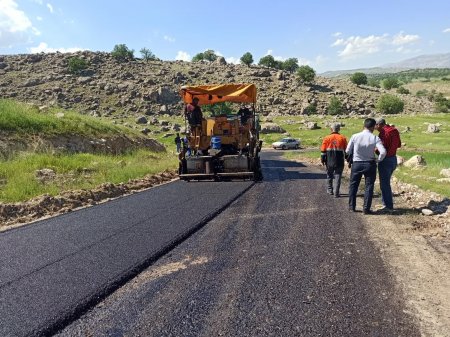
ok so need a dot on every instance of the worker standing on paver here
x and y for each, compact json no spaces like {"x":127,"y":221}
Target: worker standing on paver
{"x":333,"y":156}
{"x":361,"y":148}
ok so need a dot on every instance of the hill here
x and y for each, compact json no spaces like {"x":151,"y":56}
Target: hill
{"x":126,"y":91}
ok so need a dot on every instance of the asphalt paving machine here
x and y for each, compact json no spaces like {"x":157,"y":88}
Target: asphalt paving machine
{"x":223,"y":146}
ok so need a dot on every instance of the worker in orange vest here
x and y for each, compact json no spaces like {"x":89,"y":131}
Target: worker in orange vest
{"x":333,"y":156}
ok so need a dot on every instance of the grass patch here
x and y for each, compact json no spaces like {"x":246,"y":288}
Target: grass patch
{"x":20,"y":118}
{"x":435,"y":147}
{"x":76,"y":171}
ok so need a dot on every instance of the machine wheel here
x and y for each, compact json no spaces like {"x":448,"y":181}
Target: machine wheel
{"x":296,"y":147}
{"x":283,"y":147}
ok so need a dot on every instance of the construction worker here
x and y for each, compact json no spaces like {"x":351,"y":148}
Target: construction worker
{"x":390,"y":137}
{"x":333,"y":156}
{"x":361,"y":148}
{"x":194,"y":116}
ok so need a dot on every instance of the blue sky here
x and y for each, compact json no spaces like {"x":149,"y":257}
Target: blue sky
{"x":328,"y":35}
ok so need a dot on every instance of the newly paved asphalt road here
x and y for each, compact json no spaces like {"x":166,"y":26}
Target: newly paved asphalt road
{"x":52,"y":270}
{"x":285,"y":259}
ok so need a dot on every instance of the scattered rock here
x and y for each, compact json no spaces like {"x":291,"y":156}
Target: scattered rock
{"x":311,"y":125}
{"x":400,"y":160}
{"x":416,"y":161}
{"x":433,"y":128}
{"x":271,"y":128}
{"x":445,"y":173}
{"x":427,"y":212}
{"x":141,"y":120}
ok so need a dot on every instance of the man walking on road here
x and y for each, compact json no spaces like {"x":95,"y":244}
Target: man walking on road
{"x":362,"y":149}
{"x":390,"y":138}
{"x":333,"y":156}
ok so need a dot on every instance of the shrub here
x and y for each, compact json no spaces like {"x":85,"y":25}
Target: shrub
{"x":334,"y":106}
{"x":121,"y":53}
{"x":311,"y":109}
{"x":445,"y":79}
{"x":267,"y":61}
{"x":305,"y":74}
{"x":389,"y":104}
{"x":77,"y":65}
{"x":422,"y":93}
{"x":390,"y":83}
{"x":291,"y":64}
{"x":198,"y":57}
{"x":442,"y":106}
{"x":147,"y":55}
{"x":374,"y":83}
{"x":403,"y":90}
{"x":247,"y":59}
{"x":359,"y":78}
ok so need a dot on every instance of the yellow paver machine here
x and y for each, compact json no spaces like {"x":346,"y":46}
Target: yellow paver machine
{"x":223,"y":146}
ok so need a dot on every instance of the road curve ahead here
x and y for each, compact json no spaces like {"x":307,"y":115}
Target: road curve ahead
{"x":52,"y":270}
{"x":285,"y":259}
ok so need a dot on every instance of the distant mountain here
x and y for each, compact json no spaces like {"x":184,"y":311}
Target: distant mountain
{"x":423,"y":61}
{"x":419,"y":62}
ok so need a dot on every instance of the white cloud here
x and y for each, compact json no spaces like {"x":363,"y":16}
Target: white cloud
{"x":233,"y":60}
{"x":183,"y":56}
{"x":431,"y":42}
{"x":40,"y":2}
{"x":401,"y":39}
{"x":50,"y":8}
{"x":169,"y":38}
{"x":15,"y":26}
{"x":43,"y":47}
{"x":359,"y":46}
{"x":277,"y":58}
{"x":39,"y":18}
{"x":356,"y":46}
{"x":446,"y":30}
{"x":337,"y":34}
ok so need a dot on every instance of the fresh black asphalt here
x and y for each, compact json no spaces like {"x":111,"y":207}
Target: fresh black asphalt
{"x":52,"y":270}
{"x":284,"y":259}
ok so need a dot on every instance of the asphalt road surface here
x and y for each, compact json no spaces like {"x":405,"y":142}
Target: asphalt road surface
{"x":52,"y":270}
{"x":284,"y":259}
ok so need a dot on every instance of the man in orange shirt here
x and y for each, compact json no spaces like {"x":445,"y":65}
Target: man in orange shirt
{"x":333,"y":156}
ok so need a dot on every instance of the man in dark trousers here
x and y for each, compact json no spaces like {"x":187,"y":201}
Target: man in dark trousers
{"x":390,"y":137}
{"x":361,"y":148}
{"x":333,"y":156}
{"x":178,"y":142}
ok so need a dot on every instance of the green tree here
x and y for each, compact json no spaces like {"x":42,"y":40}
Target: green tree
{"x":305,"y":74}
{"x":359,"y":78}
{"x":278,"y":65}
{"x":77,"y":65}
{"x":389,"y":104}
{"x":221,"y":108}
{"x":247,"y":59}
{"x":291,"y":64}
{"x":147,"y":55}
{"x":267,"y":61}
{"x":390,"y":82}
{"x":121,"y":53}
{"x":210,"y":55}
{"x":335,"y":106}
{"x":198,"y":57}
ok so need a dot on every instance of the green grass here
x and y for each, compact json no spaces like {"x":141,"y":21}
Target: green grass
{"x":20,"y":118}
{"x":435,"y":148}
{"x":18,"y":176}
{"x":74,"y":171}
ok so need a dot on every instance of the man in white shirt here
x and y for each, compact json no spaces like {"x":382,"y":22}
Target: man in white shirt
{"x":361,"y":148}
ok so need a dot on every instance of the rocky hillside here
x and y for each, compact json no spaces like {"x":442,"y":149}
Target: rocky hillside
{"x":136,"y":88}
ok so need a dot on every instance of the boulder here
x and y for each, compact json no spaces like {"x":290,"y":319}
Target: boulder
{"x":445,"y":173}
{"x":311,"y":125}
{"x":416,"y":161}
{"x":221,"y":61}
{"x":400,"y":160}
{"x":141,"y":120}
{"x":427,"y":212}
{"x":271,"y":128}
{"x":433,"y":128}
{"x":261,"y":73}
